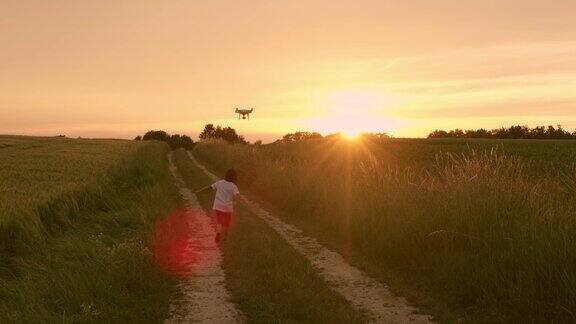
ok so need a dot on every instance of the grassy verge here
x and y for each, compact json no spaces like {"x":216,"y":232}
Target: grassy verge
{"x":270,"y":282}
{"x":488,"y":236}
{"x":91,"y":262}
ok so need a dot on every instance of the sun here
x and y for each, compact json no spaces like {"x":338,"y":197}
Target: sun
{"x":350,"y":134}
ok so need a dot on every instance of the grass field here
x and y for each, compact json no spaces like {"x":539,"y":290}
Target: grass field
{"x":485,"y":228}
{"x":36,"y":173}
{"x":268,"y":279}
{"x":75,"y":217}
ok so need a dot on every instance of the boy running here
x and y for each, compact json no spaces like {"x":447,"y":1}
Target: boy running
{"x":223,"y":207}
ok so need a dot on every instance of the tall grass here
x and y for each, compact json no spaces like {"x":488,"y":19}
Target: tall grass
{"x":491,"y":234}
{"x":81,"y":254}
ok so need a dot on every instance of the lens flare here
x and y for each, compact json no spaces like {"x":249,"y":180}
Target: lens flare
{"x":172,"y":244}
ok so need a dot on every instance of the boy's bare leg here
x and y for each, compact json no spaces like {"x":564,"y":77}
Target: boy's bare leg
{"x":217,"y":227}
{"x":221,"y":232}
{"x":217,"y":238}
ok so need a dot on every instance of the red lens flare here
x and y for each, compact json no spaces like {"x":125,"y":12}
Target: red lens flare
{"x":172,"y":244}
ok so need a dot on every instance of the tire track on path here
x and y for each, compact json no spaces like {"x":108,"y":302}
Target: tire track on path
{"x":204,"y":297}
{"x":362,"y":291}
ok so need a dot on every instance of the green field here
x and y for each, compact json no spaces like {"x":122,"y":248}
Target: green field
{"x":75,"y":216}
{"x":480,"y":230}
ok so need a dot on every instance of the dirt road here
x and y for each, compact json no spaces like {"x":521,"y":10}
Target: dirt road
{"x":203,"y":296}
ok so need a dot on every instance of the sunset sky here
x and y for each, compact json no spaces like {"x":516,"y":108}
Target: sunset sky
{"x":118,"y":68}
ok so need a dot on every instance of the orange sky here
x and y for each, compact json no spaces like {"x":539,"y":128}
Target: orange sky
{"x":117,"y":68}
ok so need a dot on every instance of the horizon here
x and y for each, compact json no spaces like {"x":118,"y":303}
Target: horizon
{"x":83,"y":70}
{"x":271,"y":138}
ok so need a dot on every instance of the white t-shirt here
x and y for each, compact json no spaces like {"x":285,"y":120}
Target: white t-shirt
{"x":225,"y":192}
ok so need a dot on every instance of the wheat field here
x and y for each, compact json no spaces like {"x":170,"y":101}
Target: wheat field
{"x":75,"y":216}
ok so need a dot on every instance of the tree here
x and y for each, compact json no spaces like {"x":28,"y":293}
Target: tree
{"x":538,"y":132}
{"x":480,"y":133}
{"x":138,"y":138}
{"x":175,"y":141}
{"x":227,"y":134}
{"x":457,"y":133}
{"x":208,"y":132}
{"x":180,"y":141}
{"x":438,"y":134}
{"x":156,"y":135}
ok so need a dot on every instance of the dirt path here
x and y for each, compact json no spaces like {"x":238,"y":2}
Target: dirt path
{"x":362,"y":291}
{"x":203,"y":296}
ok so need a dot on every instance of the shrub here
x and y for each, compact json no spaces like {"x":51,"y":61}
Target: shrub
{"x":301,"y":136}
{"x":175,"y":141}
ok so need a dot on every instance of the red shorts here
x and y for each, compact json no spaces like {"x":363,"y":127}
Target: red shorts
{"x":223,"y":218}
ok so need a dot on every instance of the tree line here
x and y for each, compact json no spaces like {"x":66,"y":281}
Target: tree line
{"x":512,"y":132}
{"x":175,"y":141}
{"x":302,"y":136}
{"x":229,"y":135}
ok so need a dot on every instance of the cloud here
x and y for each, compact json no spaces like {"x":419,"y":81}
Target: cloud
{"x":513,"y":59}
{"x":550,"y":108}
{"x":528,"y":79}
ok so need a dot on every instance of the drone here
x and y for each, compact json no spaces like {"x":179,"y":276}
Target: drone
{"x":243,"y":113}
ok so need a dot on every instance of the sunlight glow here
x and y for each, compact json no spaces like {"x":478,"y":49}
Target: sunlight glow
{"x":359,"y":101}
{"x":351,"y":135}
{"x":353,"y":111}
{"x":352,"y":125}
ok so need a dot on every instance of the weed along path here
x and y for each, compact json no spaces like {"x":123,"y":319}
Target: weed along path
{"x":362,"y":291}
{"x":203,"y":295}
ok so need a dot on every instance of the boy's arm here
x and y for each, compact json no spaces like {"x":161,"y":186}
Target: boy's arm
{"x":202,"y":189}
{"x":237,"y":196}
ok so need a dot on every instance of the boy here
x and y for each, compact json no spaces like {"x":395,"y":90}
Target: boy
{"x":223,"y":207}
